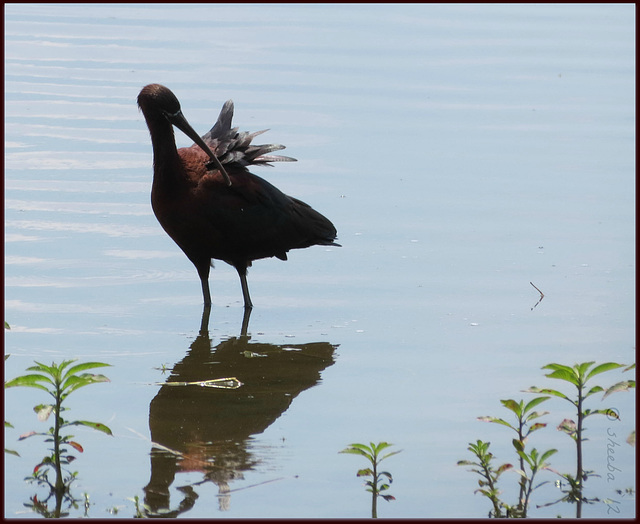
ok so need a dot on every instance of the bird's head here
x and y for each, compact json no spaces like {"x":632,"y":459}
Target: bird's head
{"x":156,"y":100}
{"x":158,"y":103}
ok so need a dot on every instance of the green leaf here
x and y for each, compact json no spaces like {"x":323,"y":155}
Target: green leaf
{"x":545,"y":391}
{"x":480,"y":448}
{"x":602,"y":368}
{"x":386,"y":474}
{"x":512,"y":405}
{"x":78,"y":381}
{"x":364,"y":472}
{"x":581,"y":370}
{"x":525,"y":457}
{"x":11,"y":452}
{"x":359,"y":450}
{"x":535,"y":414}
{"x":556,"y":367}
{"x":30,"y":381}
{"x":562,"y":374}
{"x":98,"y":426}
{"x":363,"y":447}
{"x":620,"y":386}
{"x":83,"y":367}
{"x":466,"y":463}
{"x":377,"y":448}
{"x":54,"y":370}
{"x":593,"y":390}
{"x":496,"y":421}
{"x":533,"y":403}
{"x":609,"y":413}
{"x":389,"y":455}
{"x":546,"y":455}
{"x":518,"y":444}
{"x":42,"y":368}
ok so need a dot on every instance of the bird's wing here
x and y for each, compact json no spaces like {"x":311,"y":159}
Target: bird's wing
{"x":256,"y":220}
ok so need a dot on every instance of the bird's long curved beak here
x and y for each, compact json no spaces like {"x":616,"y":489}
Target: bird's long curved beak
{"x":178,"y":120}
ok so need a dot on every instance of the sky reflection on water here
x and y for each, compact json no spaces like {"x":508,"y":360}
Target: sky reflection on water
{"x":463,"y":151}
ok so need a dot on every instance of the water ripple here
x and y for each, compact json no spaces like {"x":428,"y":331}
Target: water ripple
{"x":89,"y":208}
{"x":109,"y":229}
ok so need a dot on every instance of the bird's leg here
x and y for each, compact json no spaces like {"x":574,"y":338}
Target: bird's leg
{"x":206,"y":294}
{"x":203,"y":267}
{"x":242,"y":271}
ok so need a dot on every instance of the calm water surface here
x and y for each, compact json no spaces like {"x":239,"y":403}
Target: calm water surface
{"x":463,"y":151}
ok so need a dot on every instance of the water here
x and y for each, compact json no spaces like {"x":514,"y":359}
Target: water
{"x":463,"y":151}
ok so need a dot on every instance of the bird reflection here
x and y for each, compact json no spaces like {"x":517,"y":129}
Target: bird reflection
{"x":210,"y":429}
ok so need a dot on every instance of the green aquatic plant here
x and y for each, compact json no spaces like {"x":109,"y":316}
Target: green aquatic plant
{"x":489,"y":476}
{"x":59,"y":381}
{"x":6,"y":450}
{"x":530,"y":462}
{"x":6,"y":423}
{"x":377,"y":484}
{"x":578,"y":375}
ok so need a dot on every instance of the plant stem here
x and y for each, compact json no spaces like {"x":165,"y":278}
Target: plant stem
{"x":56,"y":442}
{"x":494,"y":499}
{"x":374,"y":495}
{"x":534,"y":470}
{"x":579,"y":453}
{"x":523,"y":481}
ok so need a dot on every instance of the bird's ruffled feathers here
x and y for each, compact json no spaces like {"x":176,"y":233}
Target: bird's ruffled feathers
{"x":230,"y":146}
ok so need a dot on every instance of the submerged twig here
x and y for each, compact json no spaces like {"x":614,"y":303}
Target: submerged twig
{"x":541,"y":295}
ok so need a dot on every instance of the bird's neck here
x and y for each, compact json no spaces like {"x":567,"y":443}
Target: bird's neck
{"x":168,"y":171}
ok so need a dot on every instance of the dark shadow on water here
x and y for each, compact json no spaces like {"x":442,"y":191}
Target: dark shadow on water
{"x":210,"y":430}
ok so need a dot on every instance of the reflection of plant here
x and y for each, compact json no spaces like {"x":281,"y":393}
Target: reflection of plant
{"x":578,"y":376}
{"x":141,"y":509}
{"x":372,"y":452}
{"x":59,"y":382}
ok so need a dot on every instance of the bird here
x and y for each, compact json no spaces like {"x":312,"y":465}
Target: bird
{"x":208,"y":202}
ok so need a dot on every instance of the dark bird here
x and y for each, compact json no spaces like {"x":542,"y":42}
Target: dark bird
{"x":209,"y":203}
